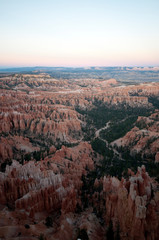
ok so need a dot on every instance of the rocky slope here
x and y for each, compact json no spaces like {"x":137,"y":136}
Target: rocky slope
{"x":32,"y":191}
{"x":51,"y":180}
{"x":41,"y":109}
{"x":132,"y":205}
{"x":36,"y":199}
{"x":143,"y":138}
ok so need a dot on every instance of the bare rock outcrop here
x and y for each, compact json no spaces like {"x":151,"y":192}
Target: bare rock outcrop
{"x":143,"y":137}
{"x":131,"y":207}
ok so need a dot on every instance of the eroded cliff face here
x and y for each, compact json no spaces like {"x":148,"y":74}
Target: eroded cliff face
{"x":143,"y":138}
{"x":55,"y":121}
{"x":78,"y":92}
{"x":132,"y":205}
{"x":31,"y":192}
{"x":49,"y":188}
{"x":27,"y":127}
{"x":42,"y":110}
{"x":57,"y":171}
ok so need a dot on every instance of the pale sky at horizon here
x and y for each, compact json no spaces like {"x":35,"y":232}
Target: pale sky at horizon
{"x":79,"y":33}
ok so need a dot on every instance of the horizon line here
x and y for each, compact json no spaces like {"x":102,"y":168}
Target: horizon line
{"x":82,"y":66}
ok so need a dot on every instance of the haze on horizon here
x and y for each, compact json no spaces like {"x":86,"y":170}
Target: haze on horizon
{"x":79,"y":33}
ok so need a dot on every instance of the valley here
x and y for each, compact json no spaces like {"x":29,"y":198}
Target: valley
{"x":79,"y":154}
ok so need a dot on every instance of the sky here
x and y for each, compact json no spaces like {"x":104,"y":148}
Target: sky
{"x":79,"y":33}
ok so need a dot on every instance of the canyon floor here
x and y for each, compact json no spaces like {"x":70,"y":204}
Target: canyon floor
{"x":79,"y":154}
